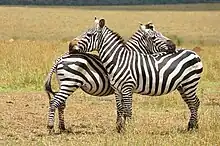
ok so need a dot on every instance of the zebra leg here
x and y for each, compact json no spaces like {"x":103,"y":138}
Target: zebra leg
{"x":59,"y":102}
{"x":191,"y":99}
{"x":50,"y":125}
{"x":120,"y":119}
{"x":126,"y":103}
{"x":61,"y":117}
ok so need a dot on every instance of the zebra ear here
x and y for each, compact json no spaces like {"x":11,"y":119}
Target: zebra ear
{"x":140,"y":23}
{"x":142,"y":27}
{"x":150,"y":25}
{"x":96,"y":20}
{"x":102,"y":23}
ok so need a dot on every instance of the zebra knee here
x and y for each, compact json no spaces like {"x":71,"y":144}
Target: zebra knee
{"x":58,"y":103}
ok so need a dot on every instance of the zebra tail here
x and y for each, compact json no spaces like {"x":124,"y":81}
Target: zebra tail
{"x":47,"y":85}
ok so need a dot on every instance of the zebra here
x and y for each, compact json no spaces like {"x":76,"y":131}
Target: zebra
{"x":75,"y":71}
{"x":130,"y":71}
{"x":67,"y":68}
{"x":160,"y":43}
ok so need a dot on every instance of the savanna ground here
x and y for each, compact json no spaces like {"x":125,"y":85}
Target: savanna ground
{"x":32,"y":37}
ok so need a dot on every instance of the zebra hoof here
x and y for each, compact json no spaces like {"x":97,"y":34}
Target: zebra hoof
{"x":120,"y":126}
{"x":120,"y":129}
{"x":66,"y":131}
{"x":62,"y":129}
{"x":50,"y":129}
{"x":192,"y":125}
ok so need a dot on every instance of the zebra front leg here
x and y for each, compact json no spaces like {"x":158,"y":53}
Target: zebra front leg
{"x":127,"y":107}
{"x":193,"y":104}
{"x":120,"y":122}
{"x":61,"y":117}
{"x":126,"y":103}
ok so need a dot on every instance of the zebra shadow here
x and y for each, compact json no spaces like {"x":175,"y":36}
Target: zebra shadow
{"x":171,"y":131}
{"x":84,"y":129}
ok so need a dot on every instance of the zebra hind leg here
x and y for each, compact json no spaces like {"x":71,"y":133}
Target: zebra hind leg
{"x":61,"y":109}
{"x":50,"y":125}
{"x":61,"y":96}
{"x":59,"y":102}
{"x":191,"y":99}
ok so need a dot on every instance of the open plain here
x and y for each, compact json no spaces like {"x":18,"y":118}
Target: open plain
{"x":31,"y":38}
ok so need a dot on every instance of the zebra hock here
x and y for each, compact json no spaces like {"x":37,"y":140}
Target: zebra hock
{"x":130,"y":71}
{"x":71,"y":75}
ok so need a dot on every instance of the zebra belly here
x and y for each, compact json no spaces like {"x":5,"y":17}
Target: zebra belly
{"x":153,"y":89}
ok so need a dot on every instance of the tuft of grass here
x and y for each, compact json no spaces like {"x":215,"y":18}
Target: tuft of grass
{"x":25,"y":64}
{"x":177,"y":40}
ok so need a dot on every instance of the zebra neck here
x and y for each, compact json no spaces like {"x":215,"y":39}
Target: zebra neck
{"x":136,"y":46}
{"x":110,"y":48}
{"x":137,"y":43}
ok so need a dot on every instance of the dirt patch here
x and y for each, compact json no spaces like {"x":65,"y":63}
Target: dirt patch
{"x":24,"y":117}
{"x":91,"y":121}
{"x":197,"y":49}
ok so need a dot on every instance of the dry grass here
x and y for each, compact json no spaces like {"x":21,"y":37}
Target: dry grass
{"x":62,"y":23}
{"x":24,"y":64}
{"x":156,"y":121}
{"x":41,"y":34}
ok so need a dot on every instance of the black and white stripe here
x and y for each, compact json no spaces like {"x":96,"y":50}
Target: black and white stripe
{"x":75,"y":71}
{"x":130,"y":71}
{"x":68,"y":69}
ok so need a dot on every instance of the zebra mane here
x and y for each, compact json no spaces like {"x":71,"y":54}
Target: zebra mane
{"x":138,"y":32}
{"x":116,"y":34}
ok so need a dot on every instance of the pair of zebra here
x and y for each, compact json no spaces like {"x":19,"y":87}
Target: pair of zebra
{"x":123,"y":68}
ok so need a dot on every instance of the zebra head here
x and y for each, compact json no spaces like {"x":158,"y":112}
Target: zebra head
{"x":155,"y":41}
{"x":89,"y":40}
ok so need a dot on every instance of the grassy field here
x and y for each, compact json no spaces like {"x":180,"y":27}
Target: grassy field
{"x":41,"y":34}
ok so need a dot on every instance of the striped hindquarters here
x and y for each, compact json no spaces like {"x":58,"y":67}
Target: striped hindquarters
{"x":84,"y":71}
{"x":164,"y":73}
